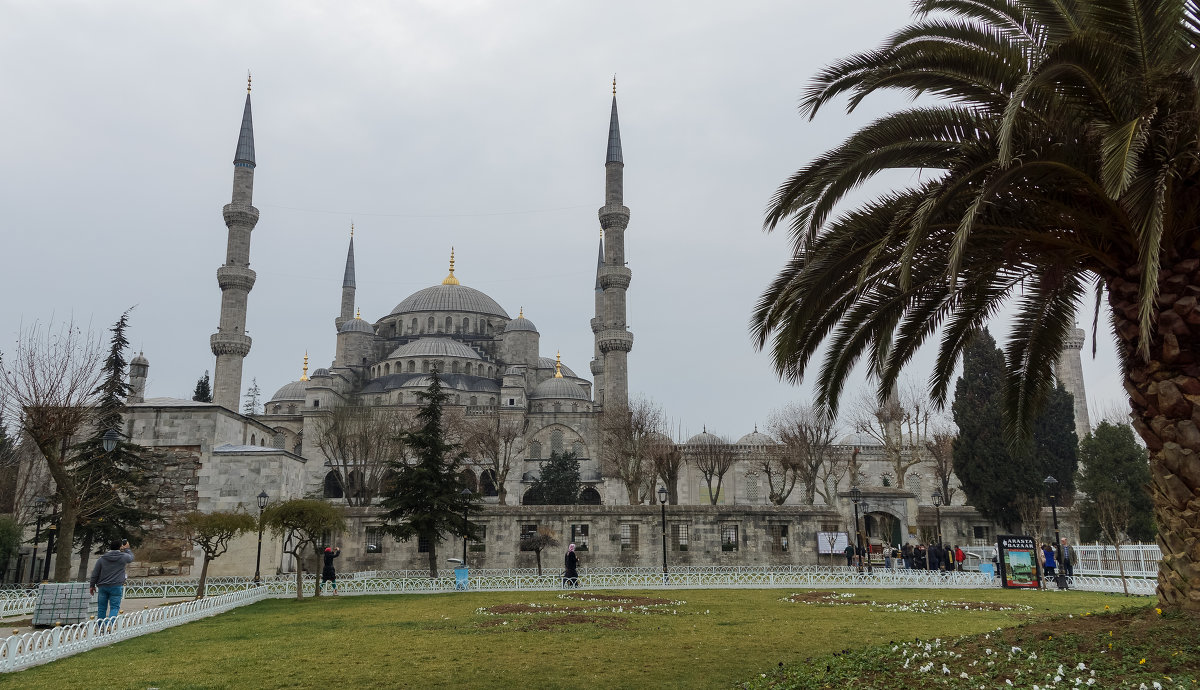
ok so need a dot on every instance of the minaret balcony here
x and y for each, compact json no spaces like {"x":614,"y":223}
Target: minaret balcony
{"x":236,"y":277}
{"x":614,"y":277}
{"x":230,"y":344}
{"x":614,"y":340}
{"x":614,"y":215}
{"x":240,"y":215}
{"x":597,"y":324}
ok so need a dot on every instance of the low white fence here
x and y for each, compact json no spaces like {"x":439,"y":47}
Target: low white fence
{"x":1139,"y":560}
{"x":30,"y":649}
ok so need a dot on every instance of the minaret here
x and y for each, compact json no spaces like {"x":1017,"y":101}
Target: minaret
{"x":1069,"y":371}
{"x":139,"y":369}
{"x":230,"y":343}
{"x":597,"y":326}
{"x":613,"y":338}
{"x":347,"y":310}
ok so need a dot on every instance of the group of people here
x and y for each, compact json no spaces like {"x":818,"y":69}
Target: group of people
{"x":942,"y":557}
{"x":1052,"y":560}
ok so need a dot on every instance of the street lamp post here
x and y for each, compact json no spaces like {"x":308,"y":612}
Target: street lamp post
{"x":1052,"y":489}
{"x":262,"y":505}
{"x":856,"y":497}
{"x":937,"y":504}
{"x":662,"y":503}
{"x":866,"y":508}
{"x":53,"y":528}
{"x":39,"y":509}
{"x":466,"y":495}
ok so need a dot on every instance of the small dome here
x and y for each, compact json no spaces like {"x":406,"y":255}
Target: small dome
{"x":858,"y":438}
{"x":321,"y":372}
{"x":548,"y":363}
{"x":139,"y":359}
{"x":520,"y":324}
{"x":705,"y":438}
{"x":434,"y":347}
{"x":357,"y":325}
{"x":558,"y":388}
{"x":292,"y":391}
{"x":756,"y":438}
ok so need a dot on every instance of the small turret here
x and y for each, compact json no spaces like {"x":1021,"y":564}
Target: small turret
{"x":139,"y":369}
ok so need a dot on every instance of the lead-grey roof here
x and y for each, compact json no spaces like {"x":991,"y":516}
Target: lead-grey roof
{"x":558,"y":388}
{"x":348,"y":279}
{"x":434,"y":347}
{"x":455,"y":382}
{"x":548,"y":363}
{"x":756,"y":438}
{"x":614,"y":136}
{"x":356,"y":325}
{"x":599,"y":264}
{"x":245,"y":145}
{"x":452,"y":298}
{"x":292,"y":391}
{"x":520,"y":324}
{"x":705,"y":438}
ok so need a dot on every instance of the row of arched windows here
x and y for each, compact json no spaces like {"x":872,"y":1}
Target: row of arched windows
{"x":456,"y":367}
{"x":433,"y":324}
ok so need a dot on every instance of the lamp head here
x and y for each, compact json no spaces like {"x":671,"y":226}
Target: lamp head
{"x":262,"y":499}
{"x":465,"y":491}
{"x":39,"y":506}
{"x":937,"y":497}
{"x":662,"y":495}
{"x":855,"y":494}
{"x":109,"y":440}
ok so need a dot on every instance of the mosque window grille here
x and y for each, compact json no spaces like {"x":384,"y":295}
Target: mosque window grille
{"x":479,"y":543}
{"x":577,"y":449}
{"x":528,"y":531}
{"x":423,"y":544}
{"x":779,"y":538}
{"x":412,"y":366}
{"x":557,"y":407}
{"x":679,"y":536}
{"x":535,"y":450}
{"x":466,"y":327}
{"x":629,"y":536}
{"x":556,"y":442}
{"x":580,"y":536}
{"x":449,"y":324}
{"x":729,"y":536}
{"x":752,"y":492}
{"x":374,"y":540}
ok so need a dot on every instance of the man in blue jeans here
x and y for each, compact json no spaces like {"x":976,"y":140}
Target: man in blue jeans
{"x":108,"y":576}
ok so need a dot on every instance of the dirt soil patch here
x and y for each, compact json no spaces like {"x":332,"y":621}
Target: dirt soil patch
{"x":835,"y":598}
{"x":516,"y":609}
{"x":814,"y":597}
{"x":616,"y":598}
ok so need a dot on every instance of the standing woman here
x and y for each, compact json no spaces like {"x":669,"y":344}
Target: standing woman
{"x":571,"y":571}
{"x":328,"y":573}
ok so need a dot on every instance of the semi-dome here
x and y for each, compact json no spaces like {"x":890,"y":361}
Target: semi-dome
{"x":357,"y":325}
{"x":558,"y":388}
{"x":550,"y":363}
{"x":434,"y":347}
{"x":756,"y":438}
{"x":321,"y":372}
{"x":292,"y":391}
{"x":452,"y":298}
{"x":520,"y":324}
{"x":706,"y":439}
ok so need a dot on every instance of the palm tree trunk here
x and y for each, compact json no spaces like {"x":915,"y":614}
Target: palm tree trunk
{"x":1164,"y":393}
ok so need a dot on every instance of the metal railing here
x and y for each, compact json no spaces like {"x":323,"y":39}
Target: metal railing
{"x":31,"y":649}
{"x":1139,"y":560}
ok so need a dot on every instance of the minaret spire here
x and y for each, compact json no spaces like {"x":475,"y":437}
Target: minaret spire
{"x":230,"y":343}
{"x":597,"y":364}
{"x":347,"y":307}
{"x":613,"y":339}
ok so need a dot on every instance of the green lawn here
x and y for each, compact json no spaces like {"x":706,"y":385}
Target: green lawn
{"x":716,"y":638}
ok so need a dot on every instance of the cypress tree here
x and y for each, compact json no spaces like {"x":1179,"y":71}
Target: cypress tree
{"x":558,"y":482}
{"x":203,"y":391}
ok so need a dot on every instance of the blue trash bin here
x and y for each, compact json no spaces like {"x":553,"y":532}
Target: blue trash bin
{"x":988,"y":568}
{"x":460,"y":578}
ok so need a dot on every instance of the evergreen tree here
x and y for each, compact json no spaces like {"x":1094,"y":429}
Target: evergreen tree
{"x":1113,"y":462}
{"x":203,"y":392}
{"x":558,"y":483}
{"x":112,"y":484}
{"x":426,"y":500}
{"x":250,"y":405}
{"x":994,"y":475}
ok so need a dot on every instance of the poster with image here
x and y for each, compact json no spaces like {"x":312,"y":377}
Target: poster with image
{"x":1018,"y":561}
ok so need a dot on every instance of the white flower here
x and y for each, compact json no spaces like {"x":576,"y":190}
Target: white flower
{"x":1082,"y":666}
{"x":1091,"y":681}
{"x":926,"y":667}
{"x":1016,"y":650}
{"x":963,"y":675}
{"x":1057,"y":678}
{"x":1007,"y":681}
{"x":945,"y":670}
{"x":1157,"y":686}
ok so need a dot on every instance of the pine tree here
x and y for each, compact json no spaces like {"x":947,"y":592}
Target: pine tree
{"x":1113,"y":462}
{"x":995,"y":476}
{"x":111,"y":484}
{"x":203,"y":392}
{"x":426,"y":500}
{"x":558,"y":482}
{"x":250,"y":405}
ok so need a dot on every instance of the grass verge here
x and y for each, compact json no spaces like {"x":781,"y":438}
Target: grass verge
{"x":611,"y":639}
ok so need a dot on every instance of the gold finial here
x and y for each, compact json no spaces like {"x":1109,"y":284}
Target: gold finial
{"x":304,"y":376}
{"x":522,"y":314}
{"x":450,"y":279}
{"x":248,"y":81}
{"x":558,"y":365}
{"x":351,"y":229}
{"x":614,"y":83}
{"x":358,"y":313}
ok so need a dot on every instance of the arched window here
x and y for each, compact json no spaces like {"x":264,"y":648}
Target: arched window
{"x":558,"y":407}
{"x":474,"y":401}
{"x":574,"y":407}
{"x":424,"y":366}
{"x":491,"y":401}
{"x":449,"y":324}
{"x":278,"y":408}
{"x":466,"y":325}
{"x":387,"y":369}
{"x":487,"y":483}
{"x":413,"y":328}
{"x":253,"y":440}
{"x":333,"y":485}
{"x":466,"y":479}
{"x":454,"y":367}
{"x":589,"y":497}
{"x":535,"y":450}
{"x":387,"y":483}
{"x":412,"y":365}
{"x":291,"y":409}
{"x":577,"y":449}
{"x":357,"y":487}
{"x":432,"y":324}
{"x":556,"y":441}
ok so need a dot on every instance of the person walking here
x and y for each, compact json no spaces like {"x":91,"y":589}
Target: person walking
{"x":1048,"y":563}
{"x":1067,"y":552}
{"x":571,"y":569}
{"x":907,"y":554}
{"x":328,"y":572}
{"x":849,"y":551}
{"x":959,"y":557}
{"x":108,"y":578}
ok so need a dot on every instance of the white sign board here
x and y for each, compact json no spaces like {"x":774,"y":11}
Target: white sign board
{"x":840,"y":541}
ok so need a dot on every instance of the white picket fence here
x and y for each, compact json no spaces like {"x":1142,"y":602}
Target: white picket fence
{"x":1139,"y":560}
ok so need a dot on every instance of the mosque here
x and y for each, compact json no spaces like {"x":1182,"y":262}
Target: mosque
{"x":211,"y":457}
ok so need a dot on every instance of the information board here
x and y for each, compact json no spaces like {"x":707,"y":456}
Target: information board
{"x":840,"y":541}
{"x":1018,"y":561}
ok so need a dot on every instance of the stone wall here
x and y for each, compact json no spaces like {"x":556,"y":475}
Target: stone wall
{"x":173,"y":481}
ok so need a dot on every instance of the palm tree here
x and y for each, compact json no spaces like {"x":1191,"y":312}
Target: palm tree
{"x":1060,"y":162}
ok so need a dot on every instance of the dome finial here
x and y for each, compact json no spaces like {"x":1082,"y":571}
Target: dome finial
{"x":304,"y":375}
{"x":558,"y":365}
{"x":614,"y":83}
{"x":450,"y":279}
{"x":358,"y":313}
{"x":248,"y":82}
{"x":522,"y":314}
{"x":351,"y":229}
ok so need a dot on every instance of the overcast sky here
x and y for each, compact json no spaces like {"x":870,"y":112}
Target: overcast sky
{"x":480,"y":125}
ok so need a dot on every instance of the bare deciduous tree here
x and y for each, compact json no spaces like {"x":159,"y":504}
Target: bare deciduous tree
{"x":495,"y":446}
{"x":940,"y":447}
{"x":1029,"y":511}
{"x":713,"y":460}
{"x":1113,"y":514}
{"x":842,"y":462}
{"x":901,"y":425}
{"x":358,"y":442}
{"x":628,"y":435}
{"x":805,"y":448}
{"x":668,"y":461}
{"x":50,"y":388}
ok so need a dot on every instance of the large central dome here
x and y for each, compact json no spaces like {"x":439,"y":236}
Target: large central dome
{"x":450,"y":298}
